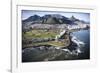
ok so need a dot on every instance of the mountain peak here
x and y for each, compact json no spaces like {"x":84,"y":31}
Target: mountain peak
{"x":32,"y":18}
{"x":72,"y":17}
{"x":52,"y":19}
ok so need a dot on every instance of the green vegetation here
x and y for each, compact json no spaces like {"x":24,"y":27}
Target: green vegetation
{"x":53,"y":43}
{"x":40,"y":34}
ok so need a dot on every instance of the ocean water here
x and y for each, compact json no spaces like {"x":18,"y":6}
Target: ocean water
{"x":84,"y":36}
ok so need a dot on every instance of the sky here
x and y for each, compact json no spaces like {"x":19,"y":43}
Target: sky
{"x":78,"y":15}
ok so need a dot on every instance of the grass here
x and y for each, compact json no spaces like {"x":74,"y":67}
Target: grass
{"x":52,"y":43}
{"x":39,"y":34}
{"x":57,"y":43}
{"x":44,"y":34}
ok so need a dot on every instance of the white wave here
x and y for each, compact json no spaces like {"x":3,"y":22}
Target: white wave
{"x":78,"y":42}
{"x":78,"y":50}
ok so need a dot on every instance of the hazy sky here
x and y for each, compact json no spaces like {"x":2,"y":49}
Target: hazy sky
{"x":78,"y":15}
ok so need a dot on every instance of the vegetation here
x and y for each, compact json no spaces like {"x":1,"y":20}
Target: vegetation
{"x":53,"y":43}
{"x":40,"y":34}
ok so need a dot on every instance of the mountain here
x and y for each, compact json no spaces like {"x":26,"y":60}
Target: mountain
{"x":51,"y":19}
{"x":73,"y":18}
{"x":32,"y":18}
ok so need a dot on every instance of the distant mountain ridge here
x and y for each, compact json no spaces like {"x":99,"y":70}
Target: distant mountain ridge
{"x":51,"y":19}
